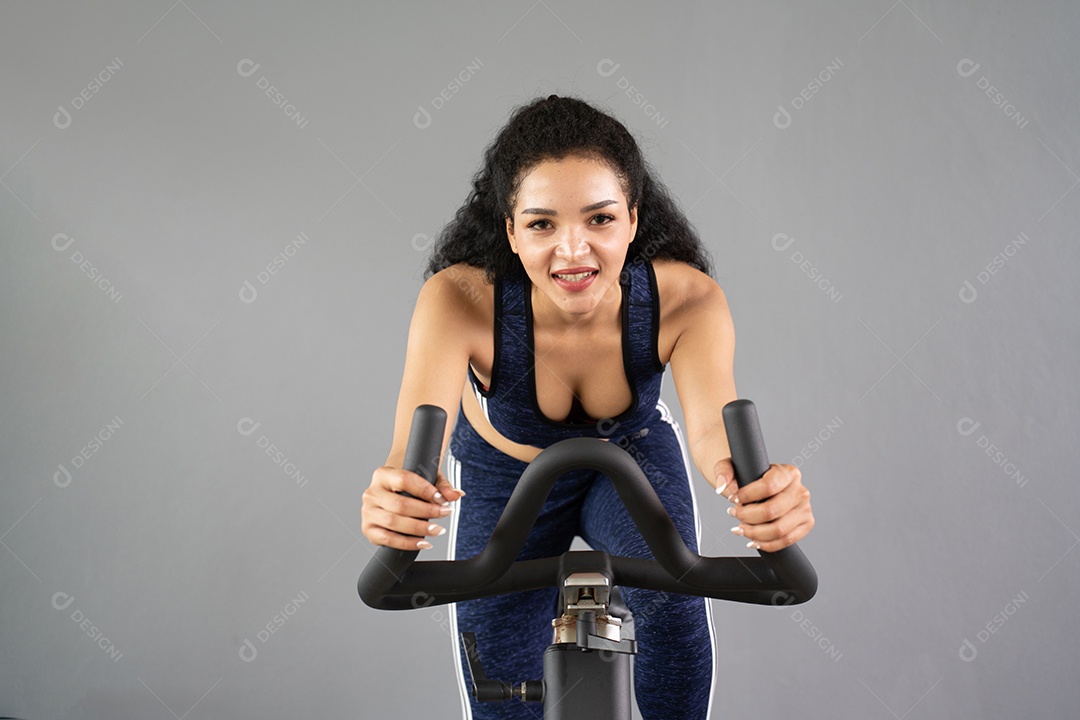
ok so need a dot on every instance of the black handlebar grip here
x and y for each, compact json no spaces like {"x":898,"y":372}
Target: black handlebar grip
{"x":747,"y":445}
{"x":421,"y":457}
{"x":425,"y":442}
{"x":750,"y":460}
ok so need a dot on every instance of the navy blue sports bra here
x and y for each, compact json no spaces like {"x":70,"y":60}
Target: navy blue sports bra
{"x":510,"y":403}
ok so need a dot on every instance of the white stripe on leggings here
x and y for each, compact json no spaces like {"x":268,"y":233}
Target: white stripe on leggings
{"x":666,"y":416}
{"x":453,"y":474}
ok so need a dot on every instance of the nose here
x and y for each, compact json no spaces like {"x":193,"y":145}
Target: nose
{"x":572,"y":244}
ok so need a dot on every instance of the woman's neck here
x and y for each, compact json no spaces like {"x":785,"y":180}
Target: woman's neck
{"x":549,"y":316}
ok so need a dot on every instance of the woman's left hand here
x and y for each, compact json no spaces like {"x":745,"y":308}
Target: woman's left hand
{"x":782,"y":517}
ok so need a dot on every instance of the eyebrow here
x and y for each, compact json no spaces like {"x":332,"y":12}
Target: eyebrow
{"x":587,"y":208}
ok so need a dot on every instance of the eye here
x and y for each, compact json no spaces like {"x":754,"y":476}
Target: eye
{"x":535,"y":224}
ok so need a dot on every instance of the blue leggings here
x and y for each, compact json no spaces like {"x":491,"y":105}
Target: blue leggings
{"x":674,"y":670}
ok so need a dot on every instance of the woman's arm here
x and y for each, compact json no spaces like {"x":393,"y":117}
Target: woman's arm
{"x":437,"y":355}
{"x":702,"y":362}
{"x":702,"y":365}
{"x":436,"y":359}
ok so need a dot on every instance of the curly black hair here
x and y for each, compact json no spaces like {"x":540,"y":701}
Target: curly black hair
{"x":553,"y":128}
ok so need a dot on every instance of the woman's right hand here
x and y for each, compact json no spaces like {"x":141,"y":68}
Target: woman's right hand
{"x":401,"y":522}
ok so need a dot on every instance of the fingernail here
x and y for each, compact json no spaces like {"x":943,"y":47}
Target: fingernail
{"x":737,"y":530}
{"x":461,"y":493}
{"x":734,"y":499}
{"x":753,"y":544}
{"x":444,"y":511}
{"x":440,"y":499}
{"x":436,"y":529}
{"x":423,"y":544}
{"x":731,"y":511}
{"x":720,"y":490}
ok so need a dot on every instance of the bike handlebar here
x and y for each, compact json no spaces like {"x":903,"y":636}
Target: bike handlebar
{"x":393,"y":581}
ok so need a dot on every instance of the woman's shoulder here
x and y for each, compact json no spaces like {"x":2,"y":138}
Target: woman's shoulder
{"x":690,"y":301}
{"x":461,"y":291}
{"x":682,"y":286}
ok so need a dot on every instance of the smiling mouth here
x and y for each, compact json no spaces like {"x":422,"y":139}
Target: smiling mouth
{"x":574,"y":277}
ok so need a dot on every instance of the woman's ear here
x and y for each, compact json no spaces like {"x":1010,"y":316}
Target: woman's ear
{"x":633,"y":222}
{"x":510,"y":235}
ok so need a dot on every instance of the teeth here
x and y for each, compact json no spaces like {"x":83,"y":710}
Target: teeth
{"x":576,"y":276}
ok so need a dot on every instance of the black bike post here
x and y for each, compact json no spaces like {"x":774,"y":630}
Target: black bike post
{"x":593,"y":684}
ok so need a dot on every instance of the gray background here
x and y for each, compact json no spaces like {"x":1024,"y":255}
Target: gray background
{"x":928,"y":405}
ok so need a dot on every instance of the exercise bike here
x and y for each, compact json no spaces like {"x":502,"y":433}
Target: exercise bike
{"x":586,"y":669}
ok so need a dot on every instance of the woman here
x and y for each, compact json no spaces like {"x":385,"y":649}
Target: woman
{"x":553,"y":302}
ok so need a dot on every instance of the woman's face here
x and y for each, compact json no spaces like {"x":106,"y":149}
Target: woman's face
{"x":571,"y":229}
